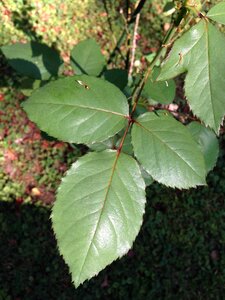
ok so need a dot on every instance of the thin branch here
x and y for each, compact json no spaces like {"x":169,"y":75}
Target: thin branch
{"x":137,"y":10}
{"x":134,"y":46}
{"x":138,"y":89}
{"x":124,"y":32}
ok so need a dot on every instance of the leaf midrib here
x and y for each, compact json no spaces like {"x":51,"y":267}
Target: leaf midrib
{"x":101,"y":212}
{"x":209,"y":72}
{"x":154,"y":134}
{"x":84,"y":107}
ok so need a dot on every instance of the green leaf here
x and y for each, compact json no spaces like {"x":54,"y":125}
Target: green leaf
{"x":101,"y":146}
{"x":118,"y":77}
{"x":86,"y":58}
{"x":159,"y":91}
{"x":34,"y":60}
{"x":217,"y":13}
{"x":147,"y":178}
{"x":167,"y":151}
{"x":98,"y":212}
{"x":207,"y":142}
{"x":199,"y":53}
{"x":79,"y":109}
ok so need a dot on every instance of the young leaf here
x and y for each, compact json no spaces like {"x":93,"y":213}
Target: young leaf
{"x":217,"y":13}
{"x":167,"y":151}
{"x":208,"y":143}
{"x":98,"y":212}
{"x":34,"y":60}
{"x":159,"y":91}
{"x":79,"y":109}
{"x":86,"y":58}
{"x":196,"y":53}
{"x":118,"y":77}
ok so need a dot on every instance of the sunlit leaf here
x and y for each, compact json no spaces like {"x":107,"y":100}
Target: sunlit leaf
{"x":79,"y":109}
{"x":199,"y":52}
{"x":98,"y":212}
{"x":167,"y":151}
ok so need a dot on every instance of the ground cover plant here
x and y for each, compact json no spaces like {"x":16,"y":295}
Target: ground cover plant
{"x":192,"y":155}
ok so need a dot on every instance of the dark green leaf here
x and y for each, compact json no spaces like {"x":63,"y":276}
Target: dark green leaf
{"x":34,"y":60}
{"x":159,"y":91}
{"x":208,"y":143}
{"x":86,"y":58}
{"x":118,"y":77}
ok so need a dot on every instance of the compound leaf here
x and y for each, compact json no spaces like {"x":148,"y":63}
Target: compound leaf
{"x":217,"y":13}
{"x":98,"y":212}
{"x":195,"y":52}
{"x":167,"y":151}
{"x":34,"y":60}
{"x":207,"y":142}
{"x":86,"y":58}
{"x":79,"y":109}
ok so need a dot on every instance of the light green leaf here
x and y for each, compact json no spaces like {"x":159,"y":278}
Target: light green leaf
{"x":199,"y":53}
{"x":167,"y":151}
{"x":159,"y":91}
{"x":217,"y":13}
{"x":118,"y":77}
{"x":207,"y":142}
{"x":79,"y":109}
{"x":98,"y":212}
{"x":147,"y":177}
{"x":86,"y":58}
{"x":34,"y":60}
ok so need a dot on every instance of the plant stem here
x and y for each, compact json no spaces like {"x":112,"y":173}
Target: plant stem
{"x":139,"y":88}
{"x":134,"y":46}
{"x":141,"y":84}
{"x":124,"y":32}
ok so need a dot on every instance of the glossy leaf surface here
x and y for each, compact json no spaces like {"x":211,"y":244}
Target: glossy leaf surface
{"x":98,"y":212}
{"x":208,"y":143}
{"x":159,"y":91}
{"x":167,"y":151}
{"x":79,"y":109}
{"x":217,"y":13}
{"x":199,"y":53}
{"x":86,"y":58}
{"x":34,"y":60}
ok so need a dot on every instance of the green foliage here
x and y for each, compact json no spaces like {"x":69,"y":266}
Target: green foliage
{"x":217,"y":13}
{"x":177,"y":255}
{"x":208,"y":143}
{"x":86,"y":58}
{"x":102,"y":224}
{"x":77,"y":114}
{"x":33,"y":60}
{"x":195,"y":52}
{"x":167,"y":151}
{"x":98,"y":224}
{"x":159,"y":91}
